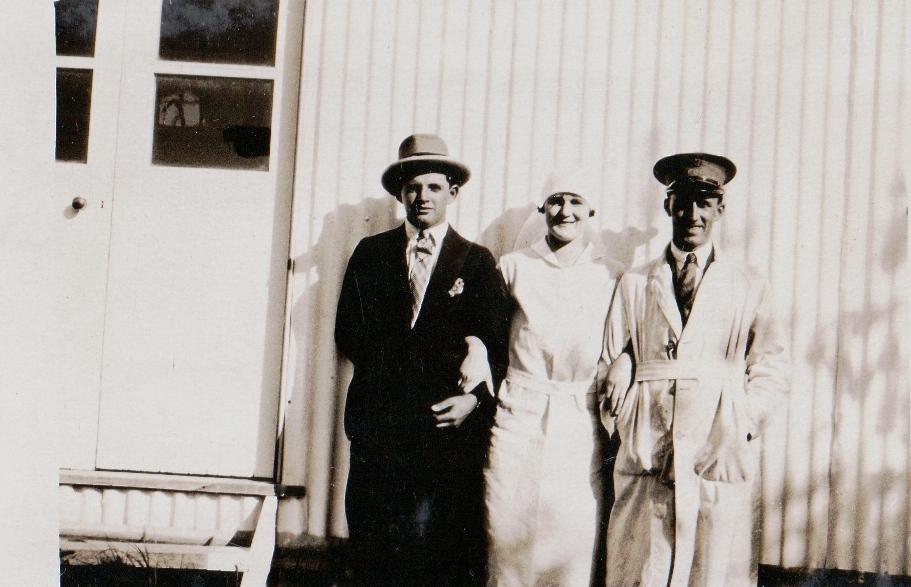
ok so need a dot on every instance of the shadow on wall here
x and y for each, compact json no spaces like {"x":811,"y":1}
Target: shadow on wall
{"x":622,"y":245}
{"x":503,"y":234}
{"x":872,"y":399}
{"x":879,"y":326}
{"x":320,"y":383}
{"x":867,"y":482}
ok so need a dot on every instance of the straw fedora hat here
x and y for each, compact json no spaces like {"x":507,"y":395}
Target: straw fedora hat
{"x":423,"y":153}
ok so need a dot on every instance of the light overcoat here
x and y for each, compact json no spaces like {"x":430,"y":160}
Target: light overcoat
{"x":685,"y":476}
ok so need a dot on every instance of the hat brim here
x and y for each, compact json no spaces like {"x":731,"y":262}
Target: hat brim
{"x":400,"y":171}
{"x":665,"y":169}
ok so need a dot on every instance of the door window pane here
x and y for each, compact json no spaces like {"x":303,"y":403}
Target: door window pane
{"x":219,"y":31}
{"x":74,"y":99}
{"x":75,"y":27}
{"x":212,"y":122}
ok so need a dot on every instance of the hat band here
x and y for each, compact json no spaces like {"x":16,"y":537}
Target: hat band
{"x":699,"y":179}
{"x":692,"y":184}
{"x":701,"y":192}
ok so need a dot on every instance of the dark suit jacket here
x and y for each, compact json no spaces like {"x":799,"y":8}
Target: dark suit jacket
{"x":399,"y":372}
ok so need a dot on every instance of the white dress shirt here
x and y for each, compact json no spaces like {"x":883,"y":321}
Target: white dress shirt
{"x":702,"y":252}
{"x":436,"y":234}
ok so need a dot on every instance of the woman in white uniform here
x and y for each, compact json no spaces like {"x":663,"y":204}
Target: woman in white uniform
{"x":543,"y":476}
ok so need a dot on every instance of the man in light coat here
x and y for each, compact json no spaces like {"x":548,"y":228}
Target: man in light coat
{"x":710,"y":369}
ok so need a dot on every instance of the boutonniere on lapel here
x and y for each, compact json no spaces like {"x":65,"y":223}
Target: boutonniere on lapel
{"x":457,"y":287}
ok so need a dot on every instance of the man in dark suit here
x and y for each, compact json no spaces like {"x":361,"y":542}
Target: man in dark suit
{"x":422,"y":315}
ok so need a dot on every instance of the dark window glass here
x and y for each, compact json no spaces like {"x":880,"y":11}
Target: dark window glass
{"x":219,"y":31}
{"x":74,"y":99}
{"x":212,"y":122}
{"x":75,"y":30}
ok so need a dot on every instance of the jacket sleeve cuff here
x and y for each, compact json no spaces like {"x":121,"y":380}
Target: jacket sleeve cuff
{"x":480,"y":392}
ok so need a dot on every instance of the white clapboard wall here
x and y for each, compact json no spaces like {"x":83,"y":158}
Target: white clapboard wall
{"x":809,"y":98}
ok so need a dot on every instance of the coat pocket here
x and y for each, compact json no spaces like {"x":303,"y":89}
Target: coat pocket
{"x":727,"y":456}
{"x":640,"y":438}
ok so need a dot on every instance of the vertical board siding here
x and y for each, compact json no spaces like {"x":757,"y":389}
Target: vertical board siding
{"x":808,"y":98}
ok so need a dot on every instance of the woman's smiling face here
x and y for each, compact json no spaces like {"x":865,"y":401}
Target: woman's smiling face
{"x":566,"y":215}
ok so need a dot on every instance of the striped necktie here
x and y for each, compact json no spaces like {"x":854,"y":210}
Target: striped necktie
{"x":420,"y":272}
{"x":685,"y":286}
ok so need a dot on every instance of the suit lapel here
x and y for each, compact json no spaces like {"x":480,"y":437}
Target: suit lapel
{"x":661,"y":287}
{"x":397,"y":267}
{"x":453,"y":252}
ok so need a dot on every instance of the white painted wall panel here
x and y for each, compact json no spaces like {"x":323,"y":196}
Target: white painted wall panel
{"x":144,"y":515}
{"x":33,"y":345}
{"x":808,"y":98}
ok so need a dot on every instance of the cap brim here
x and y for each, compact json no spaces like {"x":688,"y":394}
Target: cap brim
{"x":400,"y":171}
{"x":665,"y":169}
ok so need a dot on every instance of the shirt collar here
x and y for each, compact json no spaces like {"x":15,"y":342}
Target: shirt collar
{"x":437,"y":232}
{"x":702,"y":254}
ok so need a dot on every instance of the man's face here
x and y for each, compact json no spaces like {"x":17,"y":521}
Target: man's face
{"x":566,"y":216}
{"x":426,"y":197}
{"x":693,"y":216}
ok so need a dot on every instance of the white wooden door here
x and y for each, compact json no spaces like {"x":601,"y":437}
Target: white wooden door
{"x":89,"y":50}
{"x":192,"y":243}
{"x":199,"y":237}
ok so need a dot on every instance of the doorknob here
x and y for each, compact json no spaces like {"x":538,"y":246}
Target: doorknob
{"x":78,"y":203}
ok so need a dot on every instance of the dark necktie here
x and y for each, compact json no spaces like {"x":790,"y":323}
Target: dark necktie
{"x":420,"y":271}
{"x":685,"y":286}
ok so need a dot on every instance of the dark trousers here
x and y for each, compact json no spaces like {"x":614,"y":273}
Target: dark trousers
{"x":415,"y":523}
